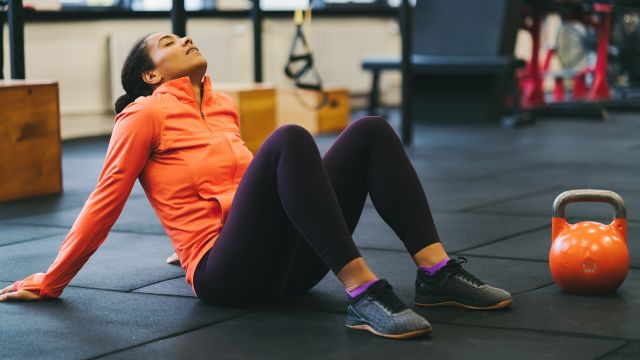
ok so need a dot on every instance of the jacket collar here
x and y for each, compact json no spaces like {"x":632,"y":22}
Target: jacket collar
{"x":182,"y":89}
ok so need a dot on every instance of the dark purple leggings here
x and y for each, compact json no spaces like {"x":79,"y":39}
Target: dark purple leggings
{"x":294,"y":212}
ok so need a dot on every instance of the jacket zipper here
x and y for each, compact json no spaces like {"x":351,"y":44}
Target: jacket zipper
{"x":193,"y":94}
{"x":235,"y":158}
{"x":204,"y":120}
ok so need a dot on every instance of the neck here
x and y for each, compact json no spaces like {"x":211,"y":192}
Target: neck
{"x":197,"y":89}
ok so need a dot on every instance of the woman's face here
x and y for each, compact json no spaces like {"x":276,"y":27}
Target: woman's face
{"x":173,"y":58}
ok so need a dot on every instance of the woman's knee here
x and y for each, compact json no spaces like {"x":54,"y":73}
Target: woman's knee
{"x":293,"y":136}
{"x":373,"y":126}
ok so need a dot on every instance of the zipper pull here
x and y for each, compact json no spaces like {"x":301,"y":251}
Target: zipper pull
{"x":202,"y":115}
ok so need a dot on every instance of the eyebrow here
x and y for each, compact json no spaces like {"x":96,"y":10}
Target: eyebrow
{"x":162,"y":38}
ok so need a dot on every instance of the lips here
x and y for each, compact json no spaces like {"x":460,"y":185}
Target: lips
{"x":192,"y":49}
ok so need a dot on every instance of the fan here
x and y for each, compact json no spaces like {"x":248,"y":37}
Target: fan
{"x":574,"y":44}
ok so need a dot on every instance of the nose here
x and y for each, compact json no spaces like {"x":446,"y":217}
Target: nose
{"x":187,"y":40}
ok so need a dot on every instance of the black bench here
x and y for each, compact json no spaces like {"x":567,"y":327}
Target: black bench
{"x":438,"y":64}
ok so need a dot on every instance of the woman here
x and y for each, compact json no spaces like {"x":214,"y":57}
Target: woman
{"x":251,"y":230}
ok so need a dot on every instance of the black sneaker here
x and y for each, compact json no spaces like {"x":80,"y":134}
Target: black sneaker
{"x":454,"y":286}
{"x":380,"y":311}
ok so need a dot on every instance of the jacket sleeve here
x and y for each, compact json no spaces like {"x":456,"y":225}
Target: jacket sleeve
{"x":134,"y":137}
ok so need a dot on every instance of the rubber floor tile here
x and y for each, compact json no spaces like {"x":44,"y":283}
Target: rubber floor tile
{"x":12,"y":233}
{"x":85,"y":323}
{"x":542,"y":205}
{"x":536,"y":245}
{"x":178,"y":287}
{"x":137,"y":216}
{"x":615,"y":315}
{"x":296,"y":335}
{"x":629,"y":351}
{"x":123,"y":262}
{"x":456,"y":230}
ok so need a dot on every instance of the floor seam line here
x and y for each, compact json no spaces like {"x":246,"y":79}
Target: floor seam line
{"x":613,"y":351}
{"x":510,"y":198}
{"x":28,"y":240}
{"x":534,"y":289}
{"x":457,"y":252}
{"x":168,"y":336}
{"x":500,"y":257}
{"x":448,"y":322}
{"x":507,"y":237}
{"x":118,"y":291}
{"x":543,"y":331}
{"x":157,"y":282}
{"x":9,"y":222}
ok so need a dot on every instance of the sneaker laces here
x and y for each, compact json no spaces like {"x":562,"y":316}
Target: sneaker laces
{"x":388,"y":299}
{"x":458,"y":270}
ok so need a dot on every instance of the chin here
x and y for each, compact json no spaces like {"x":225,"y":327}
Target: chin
{"x":196,"y":70}
{"x":200,"y":65}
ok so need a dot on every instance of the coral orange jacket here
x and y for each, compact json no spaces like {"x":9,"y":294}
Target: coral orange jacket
{"x":189,"y":161}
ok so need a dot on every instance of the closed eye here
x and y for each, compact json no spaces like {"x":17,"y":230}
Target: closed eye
{"x":168,"y":43}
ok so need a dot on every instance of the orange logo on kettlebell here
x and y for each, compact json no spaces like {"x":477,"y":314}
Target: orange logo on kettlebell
{"x":589,"y":266}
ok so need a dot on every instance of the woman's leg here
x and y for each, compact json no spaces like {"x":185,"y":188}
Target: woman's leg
{"x":284,"y":189}
{"x":368,"y":158}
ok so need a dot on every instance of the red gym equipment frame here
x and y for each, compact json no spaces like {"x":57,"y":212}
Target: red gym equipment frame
{"x":532,"y":77}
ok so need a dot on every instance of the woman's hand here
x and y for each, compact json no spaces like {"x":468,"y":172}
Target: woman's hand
{"x":8,"y":294}
{"x":173,"y":259}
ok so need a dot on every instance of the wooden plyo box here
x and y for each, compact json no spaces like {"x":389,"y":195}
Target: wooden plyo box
{"x":256,"y":108}
{"x":30,"y":149}
{"x":300,"y":107}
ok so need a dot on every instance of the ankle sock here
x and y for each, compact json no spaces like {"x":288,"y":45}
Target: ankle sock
{"x":360,"y":289}
{"x":432,"y":270}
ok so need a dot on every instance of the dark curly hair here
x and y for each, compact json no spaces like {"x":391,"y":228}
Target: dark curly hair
{"x":138,"y":61}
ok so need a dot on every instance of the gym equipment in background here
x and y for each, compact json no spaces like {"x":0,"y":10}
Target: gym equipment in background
{"x":572,"y":49}
{"x":300,"y":65}
{"x":461,"y":62}
{"x":256,"y":109}
{"x":30,"y":147}
{"x":624,"y":62}
{"x":3,"y":4}
{"x":597,"y":51}
{"x":15,"y":20}
{"x":589,"y":257}
{"x":293,"y":108}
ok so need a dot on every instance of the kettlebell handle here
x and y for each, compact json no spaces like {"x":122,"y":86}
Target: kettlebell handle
{"x":589,"y":195}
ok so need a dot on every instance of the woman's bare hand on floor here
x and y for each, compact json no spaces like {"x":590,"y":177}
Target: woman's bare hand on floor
{"x":8,"y":294}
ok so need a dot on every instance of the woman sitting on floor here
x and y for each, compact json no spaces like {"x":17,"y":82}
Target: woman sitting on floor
{"x":250,"y":230}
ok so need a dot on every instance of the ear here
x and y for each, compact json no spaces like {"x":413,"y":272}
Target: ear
{"x":151,"y":77}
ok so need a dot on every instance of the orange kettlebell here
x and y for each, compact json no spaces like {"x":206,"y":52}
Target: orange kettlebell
{"x":589,"y":257}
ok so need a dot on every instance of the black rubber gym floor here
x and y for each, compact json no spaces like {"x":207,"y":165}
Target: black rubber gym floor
{"x":491,"y":190}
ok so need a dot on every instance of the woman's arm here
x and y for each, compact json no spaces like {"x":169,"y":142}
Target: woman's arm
{"x":134,"y":137}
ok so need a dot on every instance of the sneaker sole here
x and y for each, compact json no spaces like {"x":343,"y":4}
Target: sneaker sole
{"x":407,"y":335}
{"x":500,"y":305}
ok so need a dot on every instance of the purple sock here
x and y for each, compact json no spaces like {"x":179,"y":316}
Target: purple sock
{"x":360,"y":289}
{"x":432,"y":270}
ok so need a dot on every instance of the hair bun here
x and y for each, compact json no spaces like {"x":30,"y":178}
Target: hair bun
{"x":123,"y":101}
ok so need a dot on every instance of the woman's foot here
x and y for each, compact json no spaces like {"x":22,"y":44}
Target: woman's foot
{"x":380,"y":311}
{"x":454,"y":286}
